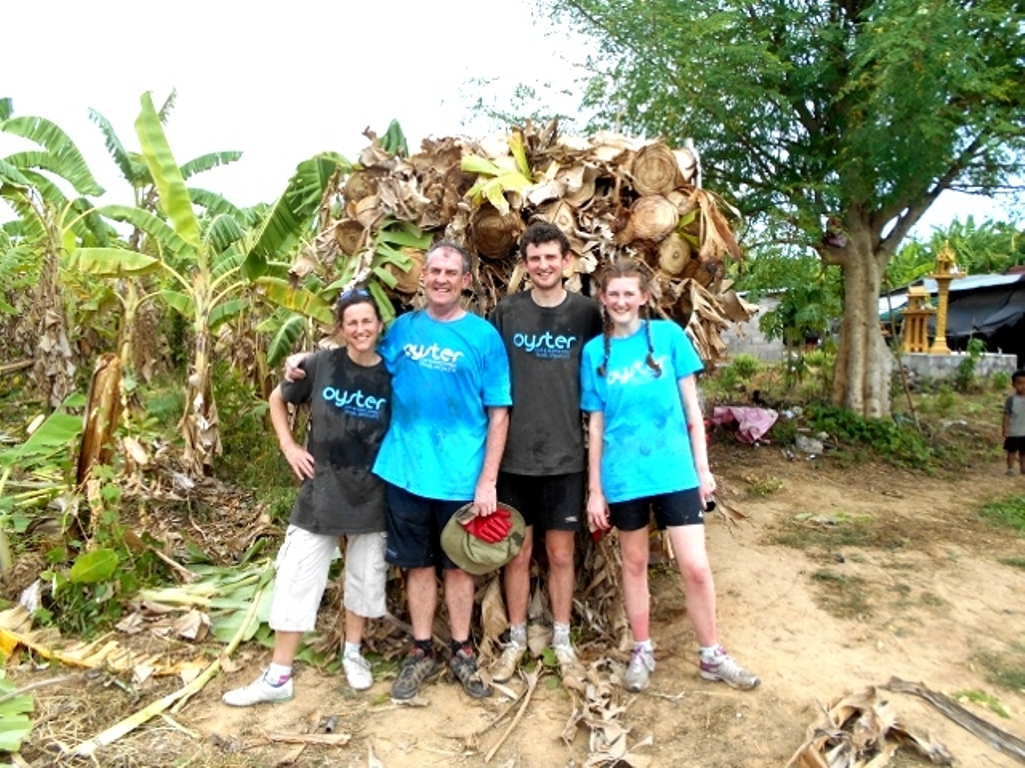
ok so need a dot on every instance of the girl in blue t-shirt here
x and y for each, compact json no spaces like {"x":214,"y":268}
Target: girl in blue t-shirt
{"x":647,"y":451}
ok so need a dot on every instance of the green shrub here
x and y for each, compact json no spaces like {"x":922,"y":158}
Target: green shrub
{"x":901,"y":443}
{"x":1000,"y":381}
{"x":746,"y":366}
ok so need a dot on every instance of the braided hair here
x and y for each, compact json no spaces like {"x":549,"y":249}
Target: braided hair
{"x":627,"y":268}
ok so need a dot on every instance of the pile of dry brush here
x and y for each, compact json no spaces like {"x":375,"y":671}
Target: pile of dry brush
{"x":613,"y":196}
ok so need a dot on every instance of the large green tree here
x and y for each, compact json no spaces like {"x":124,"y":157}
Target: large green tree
{"x":834,"y":123}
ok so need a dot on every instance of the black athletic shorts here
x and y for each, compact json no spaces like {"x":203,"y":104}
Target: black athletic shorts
{"x":1014,"y":444}
{"x":671,"y":509}
{"x":548,"y":502}
{"x":414,"y":529}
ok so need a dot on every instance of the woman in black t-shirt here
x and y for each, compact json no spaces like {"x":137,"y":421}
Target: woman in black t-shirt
{"x":349,"y":393}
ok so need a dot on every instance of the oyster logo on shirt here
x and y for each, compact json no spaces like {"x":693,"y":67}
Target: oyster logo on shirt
{"x":545,"y":344}
{"x":355,"y":403}
{"x":433,"y":356}
{"x":640,"y":370}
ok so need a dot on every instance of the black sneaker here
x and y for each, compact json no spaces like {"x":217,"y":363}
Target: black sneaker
{"x":464,"y":668}
{"x":418,"y":666}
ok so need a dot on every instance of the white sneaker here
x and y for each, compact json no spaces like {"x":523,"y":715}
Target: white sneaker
{"x":642,"y":664}
{"x":569,"y":663}
{"x":357,"y":672}
{"x":507,"y":663}
{"x":258,"y":692}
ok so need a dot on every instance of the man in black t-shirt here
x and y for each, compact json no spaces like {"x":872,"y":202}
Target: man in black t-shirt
{"x":542,"y":471}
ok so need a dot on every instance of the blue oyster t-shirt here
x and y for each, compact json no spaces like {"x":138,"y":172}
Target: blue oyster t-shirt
{"x":445,"y":376}
{"x":646,"y":448}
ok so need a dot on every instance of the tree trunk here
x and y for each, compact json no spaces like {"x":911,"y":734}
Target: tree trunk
{"x":864,"y":361}
{"x":199,"y":424}
{"x":53,"y":374}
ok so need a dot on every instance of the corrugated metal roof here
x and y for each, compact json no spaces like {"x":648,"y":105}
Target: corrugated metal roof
{"x":897,"y":299}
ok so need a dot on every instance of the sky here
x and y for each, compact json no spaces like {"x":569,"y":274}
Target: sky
{"x":283,"y":81}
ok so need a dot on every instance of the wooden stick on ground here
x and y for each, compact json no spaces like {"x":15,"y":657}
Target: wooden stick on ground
{"x":1000,"y":740}
{"x":532,"y":678}
{"x":130,"y":723}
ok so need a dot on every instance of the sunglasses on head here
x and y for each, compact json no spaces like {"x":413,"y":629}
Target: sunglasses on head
{"x":352,"y":293}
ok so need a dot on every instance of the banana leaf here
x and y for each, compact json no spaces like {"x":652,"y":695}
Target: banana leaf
{"x":281,"y":293}
{"x":112,"y":262}
{"x":58,"y":144}
{"x":167,"y":176}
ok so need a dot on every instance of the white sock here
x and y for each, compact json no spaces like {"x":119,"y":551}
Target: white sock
{"x":351,"y":650}
{"x":709,"y":652}
{"x":518,"y":633}
{"x":644,"y":645}
{"x":278,"y":674}
{"x":560,"y":634}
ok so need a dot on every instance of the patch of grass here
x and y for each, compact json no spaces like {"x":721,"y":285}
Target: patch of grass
{"x":1008,"y":512}
{"x":1014,"y":562}
{"x":987,"y":700}
{"x":806,"y":530}
{"x":759,"y":486}
{"x":841,"y":595}
{"x":1004,"y":669}
{"x":931,"y":600}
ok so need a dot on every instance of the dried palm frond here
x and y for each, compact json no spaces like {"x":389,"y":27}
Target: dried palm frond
{"x":655,"y":170}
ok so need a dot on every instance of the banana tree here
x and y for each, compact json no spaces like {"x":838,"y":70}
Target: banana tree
{"x":132,"y":292}
{"x":208,"y":259}
{"x":50,"y":225}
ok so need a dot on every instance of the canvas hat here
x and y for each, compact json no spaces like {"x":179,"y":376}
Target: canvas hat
{"x":474,"y":555}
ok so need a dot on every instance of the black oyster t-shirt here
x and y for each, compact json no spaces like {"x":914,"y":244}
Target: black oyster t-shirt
{"x":544,"y":345}
{"x":350,"y":409}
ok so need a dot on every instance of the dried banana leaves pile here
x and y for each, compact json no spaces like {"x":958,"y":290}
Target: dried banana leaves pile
{"x":613,"y":196}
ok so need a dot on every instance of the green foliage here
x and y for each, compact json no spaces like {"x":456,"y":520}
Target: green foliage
{"x":900,"y":443}
{"x":15,"y":724}
{"x":1008,"y":512}
{"x":252,"y":457}
{"x":964,"y":379}
{"x":987,"y":700}
{"x":1000,"y":381}
{"x":746,"y":366}
{"x":986,"y":248}
{"x":808,"y":294}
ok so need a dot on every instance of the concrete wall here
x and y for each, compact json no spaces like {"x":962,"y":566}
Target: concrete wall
{"x":747,"y":338}
{"x":944,"y":367}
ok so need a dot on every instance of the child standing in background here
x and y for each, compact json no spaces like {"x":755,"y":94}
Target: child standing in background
{"x":1014,"y":423}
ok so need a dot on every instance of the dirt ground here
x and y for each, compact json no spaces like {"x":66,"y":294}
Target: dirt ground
{"x":839,"y":578}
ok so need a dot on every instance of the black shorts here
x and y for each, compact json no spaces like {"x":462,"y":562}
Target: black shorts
{"x":548,"y":502}
{"x":414,"y":529}
{"x":1015,"y":444}
{"x":671,"y":509}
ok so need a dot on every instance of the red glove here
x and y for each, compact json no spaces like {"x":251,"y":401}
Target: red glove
{"x":492,"y":528}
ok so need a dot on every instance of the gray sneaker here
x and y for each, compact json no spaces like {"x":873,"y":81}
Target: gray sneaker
{"x":642,"y":664}
{"x":464,"y":668}
{"x":258,"y":692}
{"x":417,"y":667}
{"x":508,"y":662}
{"x":723,"y":668}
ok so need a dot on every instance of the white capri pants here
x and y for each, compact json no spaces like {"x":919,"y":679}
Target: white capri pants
{"x":302,"y":568}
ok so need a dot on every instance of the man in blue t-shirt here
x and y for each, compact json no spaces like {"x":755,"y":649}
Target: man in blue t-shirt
{"x":450,"y":417}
